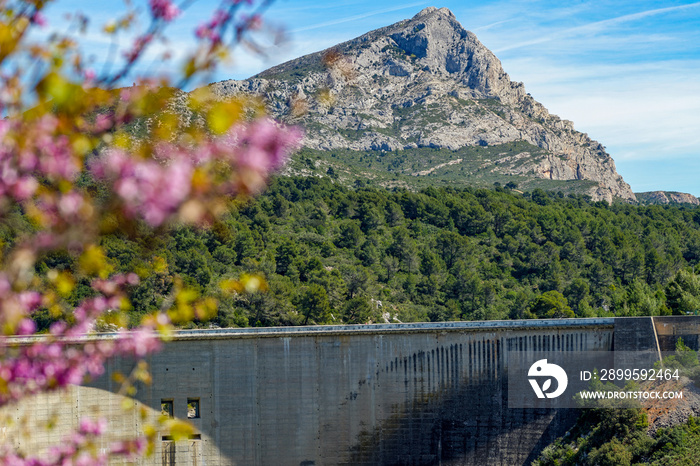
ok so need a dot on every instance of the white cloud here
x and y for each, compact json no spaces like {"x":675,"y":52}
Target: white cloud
{"x":651,"y":107}
{"x":592,"y":28}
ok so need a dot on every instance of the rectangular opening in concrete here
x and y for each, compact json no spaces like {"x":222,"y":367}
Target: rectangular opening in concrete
{"x":168,"y":453}
{"x":166,"y":408}
{"x":192,"y":408}
{"x":170,"y":438}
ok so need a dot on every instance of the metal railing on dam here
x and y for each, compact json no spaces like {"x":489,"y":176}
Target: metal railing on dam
{"x":474,"y":326}
{"x":428,"y":393}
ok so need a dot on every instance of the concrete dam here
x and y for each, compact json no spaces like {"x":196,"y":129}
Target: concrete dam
{"x":404,"y":394}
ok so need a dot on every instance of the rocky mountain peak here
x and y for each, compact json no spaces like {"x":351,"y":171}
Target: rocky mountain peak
{"x":428,"y":83}
{"x":431,"y":10}
{"x":443,"y":46}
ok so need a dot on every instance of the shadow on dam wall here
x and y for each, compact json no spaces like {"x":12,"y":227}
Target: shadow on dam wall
{"x":463,"y":418}
{"x":467,"y":425}
{"x":459,"y":437}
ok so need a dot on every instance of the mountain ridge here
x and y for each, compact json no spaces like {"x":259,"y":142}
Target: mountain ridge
{"x":428,"y":83}
{"x":666,"y":197}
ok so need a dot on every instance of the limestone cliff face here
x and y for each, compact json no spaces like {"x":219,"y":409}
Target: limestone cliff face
{"x":427,"y":82}
{"x":666,"y":197}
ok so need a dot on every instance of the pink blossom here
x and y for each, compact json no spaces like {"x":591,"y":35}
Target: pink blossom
{"x":206,"y":31}
{"x":4,"y":284}
{"x":25,"y":188}
{"x":58,"y":328}
{"x":250,"y":22}
{"x":30,"y":300}
{"x":54,"y":361}
{"x":264,"y":146}
{"x":39,"y":19}
{"x":163,"y":9}
{"x":103,"y":122}
{"x":27,"y":160}
{"x":209,"y":30}
{"x":92,"y":427}
{"x":138,"y":342}
{"x":43,"y":154}
{"x":26,"y":327}
{"x":130,"y":448}
{"x":38,"y":167}
{"x":149,"y":190}
{"x":132,"y":279}
{"x":70,"y":203}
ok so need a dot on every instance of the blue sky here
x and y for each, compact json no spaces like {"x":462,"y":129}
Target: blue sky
{"x":625,"y":72}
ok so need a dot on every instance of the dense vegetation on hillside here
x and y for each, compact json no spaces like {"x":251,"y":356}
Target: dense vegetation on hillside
{"x":335,"y":255}
{"x":619,"y":437}
{"x":415,"y":169}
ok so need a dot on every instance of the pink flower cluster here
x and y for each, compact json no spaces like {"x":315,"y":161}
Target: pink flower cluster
{"x":41,"y":157}
{"x":61,"y":210}
{"x":38,"y":153}
{"x":133,"y":448}
{"x":211,"y":29}
{"x":147,"y":189}
{"x":39,"y":19}
{"x":163,"y":9}
{"x":263,"y":145}
{"x":154,"y":190}
{"x":66,"y":355}
{"x":254,"y":149}
{"x":16,"y":307}
{"x":74,"y":449}
{"x":112,"y":286}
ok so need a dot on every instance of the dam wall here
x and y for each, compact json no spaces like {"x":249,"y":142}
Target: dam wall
{"x":404,"y":394}
{"x":392,"y":394}
{"x":670,"y":329}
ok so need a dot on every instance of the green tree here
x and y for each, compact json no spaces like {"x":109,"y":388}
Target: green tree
{"x":430,"y":263}
{"x":350,"y":235}
{"x":356,"y":279}
{"x":370,"y":216}
{"x":404,"y":248}
{"x":358,"y":310}
{"x":393,"y":214}
{"x":312,"y":303}
{"x":452,"y":247}
{"x":683,"y":293}
{"x":390,"y":264}
{"x":286,"y":254}
{"x":368,"y":253}
{"x":551,"y":305}
{"x":612,"y":453}
{"x":577,"y":293}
